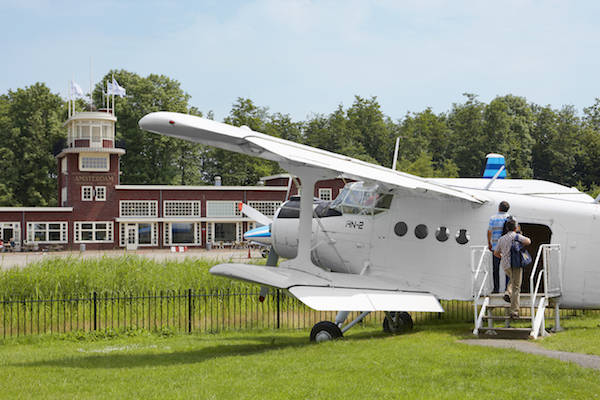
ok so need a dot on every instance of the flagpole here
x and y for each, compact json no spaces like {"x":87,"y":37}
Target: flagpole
{"x":90,"y":83}
{"x":113,"y":94}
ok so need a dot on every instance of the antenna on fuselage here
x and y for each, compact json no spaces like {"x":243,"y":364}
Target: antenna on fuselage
{"x":396,"y":153}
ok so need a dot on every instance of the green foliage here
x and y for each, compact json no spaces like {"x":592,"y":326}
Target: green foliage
{"x":30,"y":129}
{"x":424,"y":167}
{"x":152,"y":158}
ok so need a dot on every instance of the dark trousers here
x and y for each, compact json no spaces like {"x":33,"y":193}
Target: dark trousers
{"x":496,"y":275}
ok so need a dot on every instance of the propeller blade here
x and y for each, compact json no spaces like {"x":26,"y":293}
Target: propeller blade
{"x":254,"y":214}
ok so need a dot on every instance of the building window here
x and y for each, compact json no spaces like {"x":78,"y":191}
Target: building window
{"x":87,"y":193}
{"x":182,"y":233}
{"x":93,"y":232}
{"x":138,"y":208}
{"x":267,"y":208}
{"x":225,"y":232}
{"x":181,"y":208}
{"x":63,"y":195}
{"x":325,"y":194}
{"x":222,"y":209}
{"x":100,"y":192}
{"x":63,"y":165}
{"x":93,"y":162}
{"x":47,"y":232}
{"x":10,"y":231}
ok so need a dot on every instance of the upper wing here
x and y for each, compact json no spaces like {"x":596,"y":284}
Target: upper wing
{"x":244,"y":140}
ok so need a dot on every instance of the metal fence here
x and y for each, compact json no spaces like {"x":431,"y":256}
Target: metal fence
{"x":179,"y":311}
{"x":183,"y":311}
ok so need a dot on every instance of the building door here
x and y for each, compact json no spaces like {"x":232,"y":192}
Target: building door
{"x":7,"y":234}
{"x":132,"y":239}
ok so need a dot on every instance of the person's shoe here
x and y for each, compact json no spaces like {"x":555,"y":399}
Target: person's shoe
{"x":506,"y":298}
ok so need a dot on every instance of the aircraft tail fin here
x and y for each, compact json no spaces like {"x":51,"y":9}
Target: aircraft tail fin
{"x":493,"y":164}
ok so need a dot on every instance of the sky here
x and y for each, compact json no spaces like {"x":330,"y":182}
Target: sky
{"x":303,"y":57}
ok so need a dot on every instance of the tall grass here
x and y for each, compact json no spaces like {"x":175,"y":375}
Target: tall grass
{"x":107,"y":275}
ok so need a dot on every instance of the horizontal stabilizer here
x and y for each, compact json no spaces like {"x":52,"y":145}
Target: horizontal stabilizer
{"x":335,"y":299}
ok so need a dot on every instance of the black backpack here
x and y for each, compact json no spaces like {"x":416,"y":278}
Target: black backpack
{"x":519,"y":256}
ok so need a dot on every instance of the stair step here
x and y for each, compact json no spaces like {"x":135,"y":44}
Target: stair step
{"x":505,"y":317}
{"x":505,"y":333}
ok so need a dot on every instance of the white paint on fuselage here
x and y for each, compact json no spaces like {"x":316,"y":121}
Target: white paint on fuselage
{"x":368,"y":244}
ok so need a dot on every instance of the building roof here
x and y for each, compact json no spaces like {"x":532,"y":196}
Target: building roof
{"x":36,"y":209}
{"x":205,"y":187}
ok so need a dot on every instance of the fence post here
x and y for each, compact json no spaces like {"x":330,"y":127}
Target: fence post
{"x":95,"y":310}
{"x":278,"y":309}
{"x":189,"y":310}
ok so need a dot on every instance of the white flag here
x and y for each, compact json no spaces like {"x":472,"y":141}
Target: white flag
{"x":76,"y":90}
{"x":114,"y":88}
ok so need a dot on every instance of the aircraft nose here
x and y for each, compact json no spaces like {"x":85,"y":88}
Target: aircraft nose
{"x":156,"y":121}
{"x":260,"y":234}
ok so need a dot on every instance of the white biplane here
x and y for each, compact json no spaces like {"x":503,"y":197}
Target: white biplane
{"x":395,"y":242}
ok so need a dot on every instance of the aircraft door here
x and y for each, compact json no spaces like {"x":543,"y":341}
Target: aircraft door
{"x":539,"y":234}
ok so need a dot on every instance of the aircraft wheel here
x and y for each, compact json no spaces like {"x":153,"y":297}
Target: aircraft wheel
{"x":264,"y":253}
{"x":397,"y":322}
{"x":324,"y":331}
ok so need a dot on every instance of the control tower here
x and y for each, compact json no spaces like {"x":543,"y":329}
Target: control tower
{"x":89,"y":165}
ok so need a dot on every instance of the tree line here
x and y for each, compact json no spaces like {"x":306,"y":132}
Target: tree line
{"x":541,"y":142}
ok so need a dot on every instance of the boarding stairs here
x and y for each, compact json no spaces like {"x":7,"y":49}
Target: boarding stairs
{"x":490,"y":323}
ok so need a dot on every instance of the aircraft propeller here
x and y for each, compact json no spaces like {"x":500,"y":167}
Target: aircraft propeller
{"x":261,"y":235}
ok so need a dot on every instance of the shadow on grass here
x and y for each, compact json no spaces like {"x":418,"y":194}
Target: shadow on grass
{"x":263,"y":344}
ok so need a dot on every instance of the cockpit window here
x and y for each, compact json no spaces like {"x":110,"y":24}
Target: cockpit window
{"x":291,"y":209}
{"x":360,"y":198}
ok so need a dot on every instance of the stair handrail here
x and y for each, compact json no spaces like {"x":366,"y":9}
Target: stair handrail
{"x":544,"y":248}
{"x":475,"y":275}
{"x":478,"y":270}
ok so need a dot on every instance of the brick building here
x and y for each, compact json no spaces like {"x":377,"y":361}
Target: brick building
{"x":96,"y":210}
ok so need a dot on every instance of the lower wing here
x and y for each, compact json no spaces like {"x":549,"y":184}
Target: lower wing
{"x":333,"y":291}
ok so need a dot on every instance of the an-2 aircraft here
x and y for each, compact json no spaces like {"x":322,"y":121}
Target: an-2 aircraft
{"x":391,"y":241}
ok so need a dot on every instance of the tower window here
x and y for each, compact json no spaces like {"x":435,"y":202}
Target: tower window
{"x":93,"y":162}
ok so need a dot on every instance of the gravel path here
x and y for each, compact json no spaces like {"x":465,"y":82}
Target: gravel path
{"x":584,"y":360}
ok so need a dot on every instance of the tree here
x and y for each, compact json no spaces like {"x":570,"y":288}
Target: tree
{"x":369,"y":137}
{"x":151,"y":158}
{"x":508,"y":122}
{"x":469,"y":149}
{"x":30,"y":127}
{"x":235,"y":168}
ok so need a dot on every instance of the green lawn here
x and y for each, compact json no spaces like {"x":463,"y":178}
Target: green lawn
{"x":427,"y":363}
{"x":581,"y":335}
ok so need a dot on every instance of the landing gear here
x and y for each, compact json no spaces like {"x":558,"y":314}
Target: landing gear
{"x":264,"y":252}
{"x":324,"y":331}
{"x":397,"y":322}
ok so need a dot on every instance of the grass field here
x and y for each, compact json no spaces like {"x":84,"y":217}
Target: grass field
{"x":427,"y":363}
{"x":581,"y":335}
{"x":72,"y":276}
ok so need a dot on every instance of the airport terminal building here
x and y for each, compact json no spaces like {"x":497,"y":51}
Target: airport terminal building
{"x":96,"y":210}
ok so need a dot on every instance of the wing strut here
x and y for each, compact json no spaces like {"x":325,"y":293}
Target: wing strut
{"x":303,"y":261}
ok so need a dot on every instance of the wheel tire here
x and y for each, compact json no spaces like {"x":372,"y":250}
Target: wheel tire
{"x":401,"y":322}
{"x":264,"y":253}
{"x":324,"y":331}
